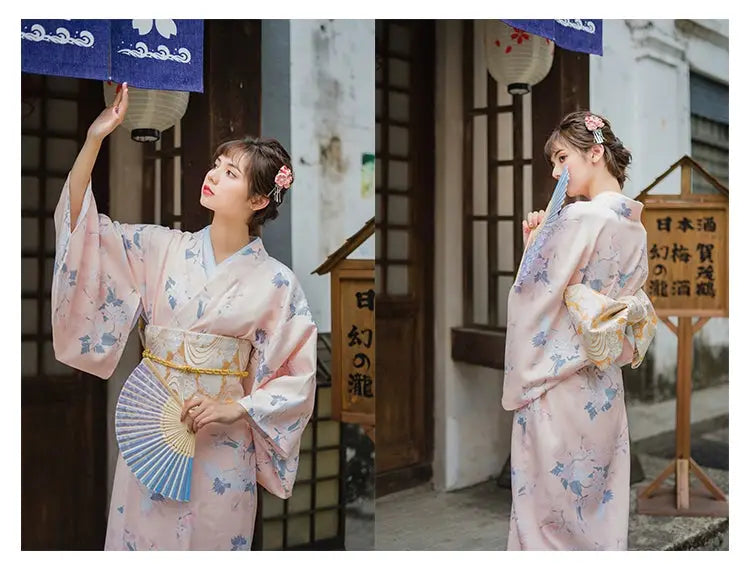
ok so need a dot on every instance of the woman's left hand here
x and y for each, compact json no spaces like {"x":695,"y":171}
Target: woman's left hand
{"x":532,"y":221}
{"x":202,"y":410}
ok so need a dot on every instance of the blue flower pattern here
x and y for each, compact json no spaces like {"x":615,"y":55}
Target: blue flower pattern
{"x":623,"y":211}
{"x":263,"y":372}
{"x":602,"y":389}
{"x":220,"y":486}
{"x":260,"y":336}
{"x":280,"y":281}
{"x":540,"y":339}
{"x":276,"y":398}
{"x":239,"y":542}
{"x":585,"y":480}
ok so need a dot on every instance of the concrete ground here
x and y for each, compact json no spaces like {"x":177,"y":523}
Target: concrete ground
{"x":424,"y":519}
{"x":477,"y":518}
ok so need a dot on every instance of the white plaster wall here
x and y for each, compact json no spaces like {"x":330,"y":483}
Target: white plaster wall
{"x":642,"y":85}
{"x":332,"y":94}
{"x":472,"y":431}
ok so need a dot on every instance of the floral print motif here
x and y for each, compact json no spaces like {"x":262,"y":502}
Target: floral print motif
{"x":239,"y":542}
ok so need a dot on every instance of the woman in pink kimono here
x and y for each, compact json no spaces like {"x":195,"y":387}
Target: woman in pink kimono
{"x":576,"y":314}
{"x":229,"y":331}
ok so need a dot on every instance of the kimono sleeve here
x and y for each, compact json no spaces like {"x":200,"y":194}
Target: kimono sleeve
{"x":97,"y":285}
{"x":280,"y":395}
{"x":611,"y":329}
{"x":541,"y":346}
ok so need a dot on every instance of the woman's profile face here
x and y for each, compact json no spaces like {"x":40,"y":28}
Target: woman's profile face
{"x":225,"y":188}
{"x":580,"y":168}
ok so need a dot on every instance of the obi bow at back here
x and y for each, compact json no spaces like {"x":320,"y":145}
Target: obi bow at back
{"x":604,"y":323}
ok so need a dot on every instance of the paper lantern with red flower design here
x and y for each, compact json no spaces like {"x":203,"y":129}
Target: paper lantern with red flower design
{"x":515,"y":58}
{"x":150,"y":111}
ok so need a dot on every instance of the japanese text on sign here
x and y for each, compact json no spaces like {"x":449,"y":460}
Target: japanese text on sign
{"x":686,"y":257}
{"x":360,"y":340}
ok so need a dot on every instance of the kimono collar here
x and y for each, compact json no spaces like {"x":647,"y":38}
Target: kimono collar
{"x":254,"y":250}
{"x":620,"y":204}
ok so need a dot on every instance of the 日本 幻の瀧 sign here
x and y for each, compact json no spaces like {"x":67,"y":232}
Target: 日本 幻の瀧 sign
{"x":353,"y":339}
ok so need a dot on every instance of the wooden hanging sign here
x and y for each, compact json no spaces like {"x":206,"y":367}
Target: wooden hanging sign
{"x":353,"y":332}
{"x":688,"y":251}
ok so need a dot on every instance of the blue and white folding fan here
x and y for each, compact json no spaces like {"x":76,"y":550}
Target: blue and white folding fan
{"x":541,"y":233}
{"x":154,"y":443}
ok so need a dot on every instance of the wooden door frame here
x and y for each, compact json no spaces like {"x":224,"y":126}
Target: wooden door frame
{"x":422,"y":146}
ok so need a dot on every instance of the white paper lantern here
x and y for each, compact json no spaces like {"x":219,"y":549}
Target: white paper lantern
{"x":515,"y":58}
{"x":150,"y":111}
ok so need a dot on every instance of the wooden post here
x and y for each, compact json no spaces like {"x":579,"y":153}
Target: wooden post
{"x":684,"y":385}
{"x":684,"y":389}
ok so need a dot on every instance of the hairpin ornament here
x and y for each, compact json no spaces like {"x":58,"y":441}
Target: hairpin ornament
{"x":595,"y":125}
{"x":283,"y":180}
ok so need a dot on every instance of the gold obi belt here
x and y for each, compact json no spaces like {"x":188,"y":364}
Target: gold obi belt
{"x":197,"y":363}
{"x":603,"y":323}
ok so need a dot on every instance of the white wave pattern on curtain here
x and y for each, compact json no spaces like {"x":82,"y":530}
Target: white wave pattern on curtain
{"x":589,"y":26}
{"x":166,"y":29}
{"x":62,"y":36}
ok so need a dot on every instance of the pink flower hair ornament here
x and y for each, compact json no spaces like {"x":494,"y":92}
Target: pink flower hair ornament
{"x":283,"y":180}
{"x":595,"y":125}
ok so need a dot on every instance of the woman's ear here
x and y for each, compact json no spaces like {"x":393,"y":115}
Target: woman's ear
{"x":597,"y":151}
{"x":258,"y":202}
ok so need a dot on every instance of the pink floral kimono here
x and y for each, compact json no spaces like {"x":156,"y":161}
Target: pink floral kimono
{"x":247,"y":313}
{"x":574,"y":319}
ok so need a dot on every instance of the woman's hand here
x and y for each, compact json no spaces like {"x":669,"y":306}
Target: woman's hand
{"x":533,"y":219}
{"x":199,"y":411}
{"x":111,"y":117}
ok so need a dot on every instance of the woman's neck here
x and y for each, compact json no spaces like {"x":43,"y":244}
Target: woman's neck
{"x":227,"y":238}
{"x":603,"y":182}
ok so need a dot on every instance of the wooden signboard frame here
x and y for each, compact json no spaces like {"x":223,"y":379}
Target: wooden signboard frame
{"x":344,"y":407}
{"x":362,"y":272}
{"x":706,"y":499}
